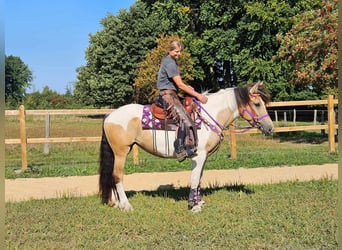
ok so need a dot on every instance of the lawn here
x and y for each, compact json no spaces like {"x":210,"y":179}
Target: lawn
{"x":291,"y":215}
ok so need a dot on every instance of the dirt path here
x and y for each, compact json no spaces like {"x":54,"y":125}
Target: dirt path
{"x":55,"y":187}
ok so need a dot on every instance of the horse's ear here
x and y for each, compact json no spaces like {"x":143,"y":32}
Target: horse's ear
{"x":254,"y":89}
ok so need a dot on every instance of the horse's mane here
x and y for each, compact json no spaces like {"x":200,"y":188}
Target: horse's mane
{"x":242,"y":94}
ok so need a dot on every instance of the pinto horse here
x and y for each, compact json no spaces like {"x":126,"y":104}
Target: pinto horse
{"x":123,"y":128}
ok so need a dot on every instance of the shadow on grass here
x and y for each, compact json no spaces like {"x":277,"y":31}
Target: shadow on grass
{"x":178,"y":194}
{"x":302,"y":137}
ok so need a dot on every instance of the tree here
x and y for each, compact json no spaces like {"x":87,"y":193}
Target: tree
{"x":17,"y":78}
{"x":310,"y":50}
{"x":219,"y":35}
{"x":212,"y":41}
{"x":147,"y":72}
{"x":116,"y":50}
{"x":47,"y":99}
{"x":239,"y":36}
{"x":111,"y":58}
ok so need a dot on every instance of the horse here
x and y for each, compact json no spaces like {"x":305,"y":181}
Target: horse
{"x":123,"y":128}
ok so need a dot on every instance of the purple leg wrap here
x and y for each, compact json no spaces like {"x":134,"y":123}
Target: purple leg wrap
{"x":194,"y":197}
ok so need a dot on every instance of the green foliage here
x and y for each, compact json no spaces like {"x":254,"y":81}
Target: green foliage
{"x":310,"y":48}
{"x":115,"y":51}
{"x":258,"y":44}
{"x":276,"y":41}
{"x":49,"y":99}
{"x":170,"y":18}
{"x":245,"y":32}
{"x":111,"y":56}
{"x":217,"y":32}
{"x":17,"y":78}
{"x":257,"y":29}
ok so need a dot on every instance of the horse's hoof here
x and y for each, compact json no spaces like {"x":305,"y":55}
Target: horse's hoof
{"x":196,"y":209}
{"x":126,"y":207}
{"x":114,"y":204}
{"x":201,"y":202}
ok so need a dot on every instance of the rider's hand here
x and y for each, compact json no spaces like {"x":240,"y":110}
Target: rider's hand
{"x":202,"y":98}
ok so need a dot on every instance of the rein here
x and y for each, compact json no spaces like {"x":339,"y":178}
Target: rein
{"x":212,"y":127}
{"x":255,"y":120}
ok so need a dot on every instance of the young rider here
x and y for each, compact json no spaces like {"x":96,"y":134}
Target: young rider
{"x":169,"y":83}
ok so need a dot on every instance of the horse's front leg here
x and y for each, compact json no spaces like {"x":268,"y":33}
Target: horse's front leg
{"x":195,"y":201}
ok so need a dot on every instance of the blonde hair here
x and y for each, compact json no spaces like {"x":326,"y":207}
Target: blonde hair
{"x":175,"y":45}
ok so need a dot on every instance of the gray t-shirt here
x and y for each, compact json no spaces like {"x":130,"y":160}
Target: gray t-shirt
{"x":168,"y":69}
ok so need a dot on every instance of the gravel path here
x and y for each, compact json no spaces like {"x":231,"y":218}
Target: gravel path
{"x":55,"y":187}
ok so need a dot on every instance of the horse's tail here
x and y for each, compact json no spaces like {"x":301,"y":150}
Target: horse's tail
{"x":106,"y":182}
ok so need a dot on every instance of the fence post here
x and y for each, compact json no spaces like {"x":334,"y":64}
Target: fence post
{"x":331,"y":124}
{"x":322,"y":123}
{"x":294,"y":116}
{"x":47,"y":133}
{"x":315,"y":117}
{"x":233,"y":154}
{"x":23,"y":139}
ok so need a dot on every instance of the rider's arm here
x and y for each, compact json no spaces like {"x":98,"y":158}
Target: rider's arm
{"x":189,"y":90}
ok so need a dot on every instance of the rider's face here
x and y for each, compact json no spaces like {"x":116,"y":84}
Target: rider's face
{"x":175,"y":53}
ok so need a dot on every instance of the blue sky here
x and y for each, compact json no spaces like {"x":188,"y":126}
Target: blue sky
{"x":51,"y":36}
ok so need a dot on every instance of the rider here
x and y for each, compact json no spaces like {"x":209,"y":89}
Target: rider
{"x":169,"y":82}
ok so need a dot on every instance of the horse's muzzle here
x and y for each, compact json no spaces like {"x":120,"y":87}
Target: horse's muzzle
{"x":266,"y":129}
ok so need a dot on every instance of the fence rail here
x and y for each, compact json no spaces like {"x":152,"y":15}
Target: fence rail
{"x":330,"y":127}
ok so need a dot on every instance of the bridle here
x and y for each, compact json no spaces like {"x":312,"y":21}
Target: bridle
{"x":255,"y":120}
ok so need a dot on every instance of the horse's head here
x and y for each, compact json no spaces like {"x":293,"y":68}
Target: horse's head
{"x":253,"y":108}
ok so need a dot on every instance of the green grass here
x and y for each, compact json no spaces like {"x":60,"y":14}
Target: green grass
{"x":70,"y":159}
{"x":291,"y":215}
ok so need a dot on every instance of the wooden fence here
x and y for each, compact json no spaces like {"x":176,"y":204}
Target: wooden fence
{"x":330,"y":127}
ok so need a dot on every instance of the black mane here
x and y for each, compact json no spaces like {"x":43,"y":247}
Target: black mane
{"x":242,"y":94}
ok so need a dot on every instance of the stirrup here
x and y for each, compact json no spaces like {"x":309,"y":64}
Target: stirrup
{"x":190,"y":151}
{"x":181,"y":156}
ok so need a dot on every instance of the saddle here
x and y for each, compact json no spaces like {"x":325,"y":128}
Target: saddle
{"x":156,"y":117}
{"x":158,"y":110}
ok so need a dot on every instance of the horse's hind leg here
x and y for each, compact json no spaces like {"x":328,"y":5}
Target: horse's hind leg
{"x":118,"y":180}
{"x":114,"y":201}
{"x":121,"y":145}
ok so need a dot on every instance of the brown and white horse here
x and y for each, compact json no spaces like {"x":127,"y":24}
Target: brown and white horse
{"x":123,"y":128}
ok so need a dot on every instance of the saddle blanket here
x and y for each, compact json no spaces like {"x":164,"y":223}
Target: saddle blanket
{"x":148,"y":121}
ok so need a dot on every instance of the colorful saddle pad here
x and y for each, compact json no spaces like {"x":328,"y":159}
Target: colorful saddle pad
{"x":148,"y":121}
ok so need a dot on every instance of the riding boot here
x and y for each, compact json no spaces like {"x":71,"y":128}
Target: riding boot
{"x":190,"y":151}
{"x":180,"y":151}
{"x":190,"y":145}
{"x":183,"y":147}
{"x":187,"y":121}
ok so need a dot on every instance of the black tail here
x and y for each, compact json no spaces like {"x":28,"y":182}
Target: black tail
{"x":106,"y":182}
